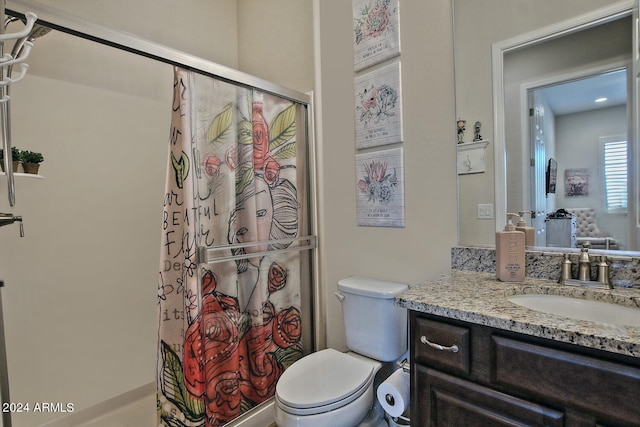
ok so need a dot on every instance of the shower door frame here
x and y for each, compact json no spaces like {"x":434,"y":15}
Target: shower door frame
{"x":72,"y":25}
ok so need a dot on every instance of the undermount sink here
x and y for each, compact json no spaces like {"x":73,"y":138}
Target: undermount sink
{"x":580,"y":309}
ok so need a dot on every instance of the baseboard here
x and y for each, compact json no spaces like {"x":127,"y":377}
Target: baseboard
{"x":102,"y":408}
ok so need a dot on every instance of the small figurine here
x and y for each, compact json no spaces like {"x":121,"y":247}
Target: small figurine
{"x":477,"y":136}
{"x":461,"y":128}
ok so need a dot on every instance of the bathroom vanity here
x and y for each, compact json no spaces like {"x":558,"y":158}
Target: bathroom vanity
{"x":479,"y":359}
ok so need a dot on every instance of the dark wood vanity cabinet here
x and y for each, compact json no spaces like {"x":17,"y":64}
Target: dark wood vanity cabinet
{"x":464,"y":374}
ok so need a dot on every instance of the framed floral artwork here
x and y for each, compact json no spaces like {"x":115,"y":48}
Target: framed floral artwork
{"x":378,"y":107}
{"x":576,"y":182}
{"x":376,"y":32}
{"x":380,"y":188}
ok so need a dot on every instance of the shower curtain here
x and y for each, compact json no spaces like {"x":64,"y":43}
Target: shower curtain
{"x":228,"y":328}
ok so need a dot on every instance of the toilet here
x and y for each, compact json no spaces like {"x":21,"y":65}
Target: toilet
{"x":330,"y":388}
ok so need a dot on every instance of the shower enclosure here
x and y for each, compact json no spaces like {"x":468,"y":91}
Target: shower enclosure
{"x":107,"y":39}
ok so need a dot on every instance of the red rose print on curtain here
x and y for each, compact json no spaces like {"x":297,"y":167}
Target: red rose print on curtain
{"x":227,"y":367}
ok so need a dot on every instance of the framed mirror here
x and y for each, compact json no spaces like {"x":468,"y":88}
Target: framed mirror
{"x":533,"y":48}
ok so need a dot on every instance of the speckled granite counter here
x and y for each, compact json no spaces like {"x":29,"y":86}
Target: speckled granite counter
{"x":479,"y":298}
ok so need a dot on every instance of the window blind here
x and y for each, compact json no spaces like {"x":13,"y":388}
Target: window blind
{"x":615,"y":174}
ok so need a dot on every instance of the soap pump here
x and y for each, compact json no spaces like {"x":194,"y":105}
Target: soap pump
{"x":529,"y":232}
{"x":510,"y":252}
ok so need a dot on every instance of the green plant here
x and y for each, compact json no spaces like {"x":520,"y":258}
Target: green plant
{"x":31,"y":157}
{"x":16,"y":154}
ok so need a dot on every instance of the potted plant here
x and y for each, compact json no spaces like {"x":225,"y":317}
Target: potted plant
{"x":31,"y":161}
{"x":16,"y":158}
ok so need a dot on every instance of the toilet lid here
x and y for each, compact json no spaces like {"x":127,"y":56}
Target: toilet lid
{"x":324,"y":378}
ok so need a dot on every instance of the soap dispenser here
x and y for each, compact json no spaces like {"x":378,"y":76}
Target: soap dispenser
{"x":510,"y":252}
{"x":529,"y":232}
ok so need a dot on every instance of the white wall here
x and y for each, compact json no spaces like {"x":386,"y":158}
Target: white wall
{"x":422,"y":248}
{"x":274,"y":51}
{"x":79,"y":302}
{"x":207,"y":29}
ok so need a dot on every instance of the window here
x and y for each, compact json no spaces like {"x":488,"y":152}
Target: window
{"x":615,"y":173}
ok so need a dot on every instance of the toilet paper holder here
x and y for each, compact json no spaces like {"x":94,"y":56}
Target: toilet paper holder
{"x":404,"y":365}
{"x":394,"y":393}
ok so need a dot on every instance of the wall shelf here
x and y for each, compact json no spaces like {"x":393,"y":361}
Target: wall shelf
{"x":24,"y":175}
{"x":471,"y":157}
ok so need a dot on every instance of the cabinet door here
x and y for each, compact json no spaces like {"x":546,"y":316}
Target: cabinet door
{"x":446,"y":401}
{"x":607,"y":390}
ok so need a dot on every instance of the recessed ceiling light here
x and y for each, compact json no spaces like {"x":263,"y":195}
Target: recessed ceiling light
{"x":601,"y":99}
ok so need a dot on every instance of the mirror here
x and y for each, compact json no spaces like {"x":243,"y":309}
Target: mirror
{"x":530,"y":50}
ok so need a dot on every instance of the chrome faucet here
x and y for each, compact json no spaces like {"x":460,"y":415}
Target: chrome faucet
{"x":6,"y":219}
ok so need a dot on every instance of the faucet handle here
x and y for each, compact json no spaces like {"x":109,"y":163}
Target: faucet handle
{"x":603,"y":272}
{"x":565,"y":269}
{"x":7,"y":218}
{"x":19,"y":219}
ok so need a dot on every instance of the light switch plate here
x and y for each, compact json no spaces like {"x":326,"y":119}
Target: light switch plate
{"x":485,"y":211}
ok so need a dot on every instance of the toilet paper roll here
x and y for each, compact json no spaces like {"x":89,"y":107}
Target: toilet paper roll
{"x":393,"y":393}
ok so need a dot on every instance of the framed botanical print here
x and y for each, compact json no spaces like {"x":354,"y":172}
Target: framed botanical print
{"x":380,"y":188}
{"x":378,"y":107}
{"x":376,"y":32}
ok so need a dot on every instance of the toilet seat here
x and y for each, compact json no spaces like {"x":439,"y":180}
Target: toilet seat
{"x":323,"y":381}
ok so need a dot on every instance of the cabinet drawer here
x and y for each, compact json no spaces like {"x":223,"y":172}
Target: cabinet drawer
{"x":441,"y":345}
{"x":608,"y":390}
{"x":450,"y":401}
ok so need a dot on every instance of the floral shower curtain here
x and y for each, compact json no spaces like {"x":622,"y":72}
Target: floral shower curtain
{"x":228,"y":328}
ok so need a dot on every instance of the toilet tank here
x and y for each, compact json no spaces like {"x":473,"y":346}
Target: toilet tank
{"x":374,"y":326}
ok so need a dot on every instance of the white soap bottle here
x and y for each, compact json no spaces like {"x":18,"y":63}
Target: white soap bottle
{"x":510,"y":253}
{"x":529,"y":232}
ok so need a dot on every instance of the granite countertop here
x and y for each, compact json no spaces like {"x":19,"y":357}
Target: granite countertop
{"x":478,"y":297}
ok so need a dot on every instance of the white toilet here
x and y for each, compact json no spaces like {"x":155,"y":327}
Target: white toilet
{"x":333,"y":389}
